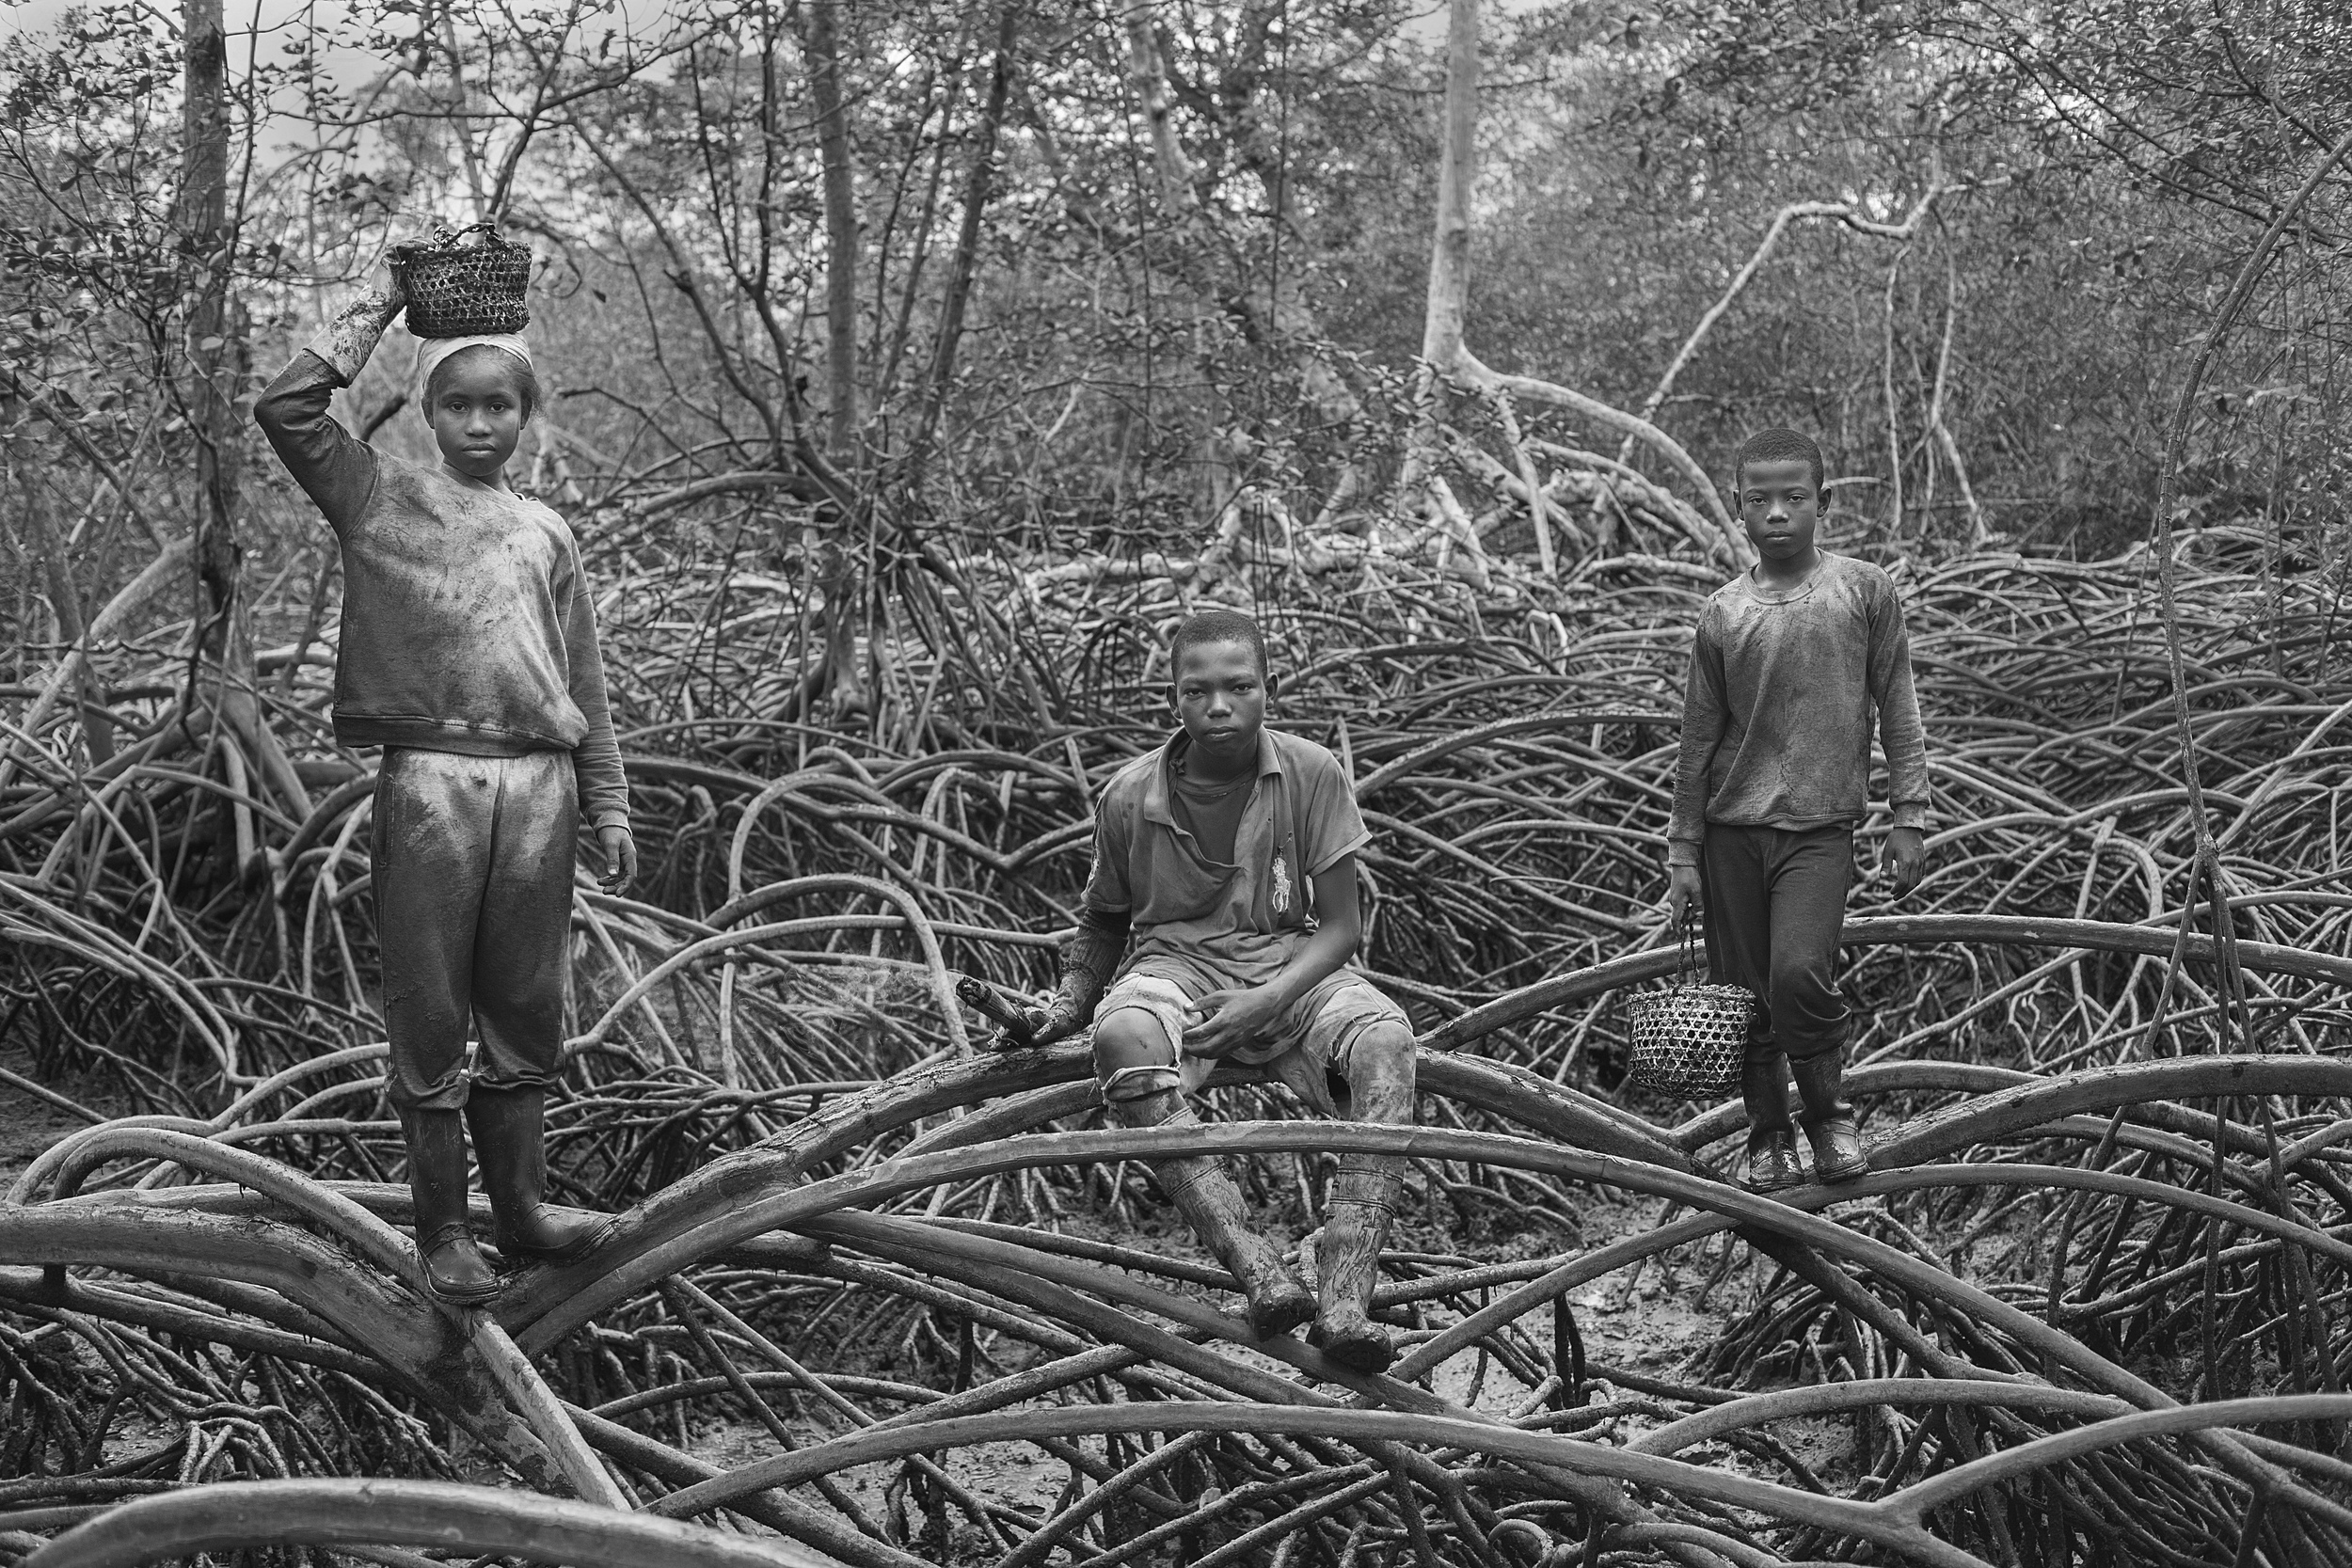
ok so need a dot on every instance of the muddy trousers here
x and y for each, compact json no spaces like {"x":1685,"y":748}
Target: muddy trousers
{"x":1774,"y":901}
{"x":473,"y":861}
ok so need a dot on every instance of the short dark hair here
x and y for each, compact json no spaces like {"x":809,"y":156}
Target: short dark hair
{"x":526,"y":378}
{"x":1778,"y":445}
{"x":1205,"y":627}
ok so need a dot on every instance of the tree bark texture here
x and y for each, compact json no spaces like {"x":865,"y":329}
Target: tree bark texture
{"x":1457,"y":173}
{"x":202,"y":222}
{"x":841,"y":236}
{"x":975,"y":197}
{"x":64,"y":599}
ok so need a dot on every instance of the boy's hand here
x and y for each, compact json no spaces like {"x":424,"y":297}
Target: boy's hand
{"x":1228,"y":1019}
{"x":1906,"y":856}
{"x":1050,"y":1023}
{"x":620,"y":858}
{"x":1682,"y":895}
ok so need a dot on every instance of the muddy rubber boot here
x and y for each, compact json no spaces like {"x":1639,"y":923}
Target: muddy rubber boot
{"x":1829,"y":1123}
{"x":1204,"y":1193}
{"x":1772,"y":1165}
{"x":1356,"y":1219}
{"x":509,"y":1143}
{"x":454,"y":1269}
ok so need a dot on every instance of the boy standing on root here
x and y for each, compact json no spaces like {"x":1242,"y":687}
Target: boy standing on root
{"x":1229,"y":855}
{"x":469,"y":653}
{"x":1791,"y":659}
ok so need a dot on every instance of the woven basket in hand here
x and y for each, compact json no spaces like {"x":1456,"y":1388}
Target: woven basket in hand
{"x":1689,"y":1040}
{"x":462,"y":290}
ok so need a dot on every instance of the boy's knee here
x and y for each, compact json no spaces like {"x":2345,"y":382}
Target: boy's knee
{"x":1133,"y":1056}
{"x":1131,"y":1037}
{"x":1808,"y":985}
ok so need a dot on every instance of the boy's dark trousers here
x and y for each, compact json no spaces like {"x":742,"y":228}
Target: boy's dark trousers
{"x":1774,"y":901}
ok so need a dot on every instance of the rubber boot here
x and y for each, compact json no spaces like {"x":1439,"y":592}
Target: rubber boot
{"x":1204,"y":1193}
{"x":454,"y":1269}
{"x":1829,"y":1124}
{"x":509,"y":1143}
{"x":1356,"y":1219}
{"x":1772,"y":1141}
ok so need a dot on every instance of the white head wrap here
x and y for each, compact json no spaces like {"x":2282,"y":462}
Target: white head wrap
{"x":431,"y":351}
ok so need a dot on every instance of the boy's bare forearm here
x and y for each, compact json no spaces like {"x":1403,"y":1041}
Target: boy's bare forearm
{"x":1325,"y":954}
{"x":1340,"y":929}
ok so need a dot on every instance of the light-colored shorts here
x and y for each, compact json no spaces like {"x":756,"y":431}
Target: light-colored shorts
{"x":1308,"y":1047}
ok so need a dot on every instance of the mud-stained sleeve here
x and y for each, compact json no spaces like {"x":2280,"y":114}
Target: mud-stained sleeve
{"x":1900,"y":732}
{"x":1330,"y":825}
{"x":1702,"y":731}
{"x":596,"y":760}
{"x":335,"y":469}
{"x":1107,"y":891}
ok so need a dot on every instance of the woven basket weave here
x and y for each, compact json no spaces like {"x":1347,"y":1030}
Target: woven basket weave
{"x":462,"y":290}
{"x":1689,"y":1040}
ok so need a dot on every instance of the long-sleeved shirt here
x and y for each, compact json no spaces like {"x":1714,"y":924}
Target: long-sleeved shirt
{"x":1776,"y":714}
{"x":466,"y":621}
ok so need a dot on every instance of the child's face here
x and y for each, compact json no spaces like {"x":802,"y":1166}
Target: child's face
{"x":1220,"y":698}
{"x":477,"y":415}
{"x":1780,"y":507}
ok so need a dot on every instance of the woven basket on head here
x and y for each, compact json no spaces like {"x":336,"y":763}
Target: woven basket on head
{"x":1689,"y":1040}
{"x":463,"y":290}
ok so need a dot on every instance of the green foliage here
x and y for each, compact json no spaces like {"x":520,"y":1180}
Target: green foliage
{"x":1154,"y":329}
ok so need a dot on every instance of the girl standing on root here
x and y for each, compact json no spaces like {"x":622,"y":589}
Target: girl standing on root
{"x":1792,"y":659}
{"x":469,"y":655}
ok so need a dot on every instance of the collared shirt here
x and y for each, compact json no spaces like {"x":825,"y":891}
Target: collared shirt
{"x":1249,"y":918}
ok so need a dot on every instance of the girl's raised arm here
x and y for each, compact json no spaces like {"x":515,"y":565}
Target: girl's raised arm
{"x":334,"y":467}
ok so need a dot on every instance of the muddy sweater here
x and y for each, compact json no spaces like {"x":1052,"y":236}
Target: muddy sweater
{"x":1777,"y":712}
{"x":467,"y":622}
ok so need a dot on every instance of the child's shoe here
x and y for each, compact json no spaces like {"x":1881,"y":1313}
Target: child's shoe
{"x":1772,"y":1163}
{"x":1772,"y":1141}
{"x":455,"y":1269}
{"x":1205,"y":1193}
{"x":1356,"y":1219}
{"x":1829,"y":1120}
{"x":510,"y":1145}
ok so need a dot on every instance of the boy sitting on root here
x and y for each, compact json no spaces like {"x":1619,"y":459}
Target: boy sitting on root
{"x":1230,"y":856}
{"x":1792,"y":659}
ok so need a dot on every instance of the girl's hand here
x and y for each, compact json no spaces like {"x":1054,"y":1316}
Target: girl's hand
{"x":620,"y":859}
{"x":392,"y":293}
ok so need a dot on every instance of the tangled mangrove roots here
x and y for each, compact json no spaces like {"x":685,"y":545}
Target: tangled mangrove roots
{"x":1992,"y":1425}
{"x":879,"y":1297}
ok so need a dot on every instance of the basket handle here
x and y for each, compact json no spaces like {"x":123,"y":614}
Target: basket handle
{"x":1686,"y":959}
